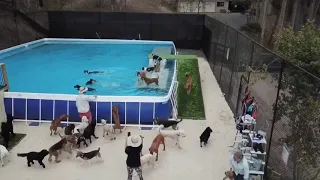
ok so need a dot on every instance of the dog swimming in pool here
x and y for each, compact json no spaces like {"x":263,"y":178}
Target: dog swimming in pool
{"x":91,"y":81}
{"x":88,"y":88}
{"x":93,"y":72}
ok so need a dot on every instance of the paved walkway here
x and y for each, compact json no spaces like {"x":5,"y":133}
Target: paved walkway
{"x":189,"y":163}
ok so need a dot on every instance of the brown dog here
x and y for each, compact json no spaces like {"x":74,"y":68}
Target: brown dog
{"x":188,"y":84}
{"x":115,"y":115}
{"x":148,"y":80}
{"x":159,"y":139}
{"x":229,"y":175}
{"x":57,"y":123}
{"x":56,"y":149}
{"x":72,"y":139}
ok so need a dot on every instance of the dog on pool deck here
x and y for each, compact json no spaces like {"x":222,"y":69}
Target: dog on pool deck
{"x":173,"y":134}
{"x":148,"y":80}
{"x":188,"y":84}
{"x":57,"y":123}
{"x":108,"y":129}
{"x":90,"y":131}
{"x":35,"y":156}
{"x":69,"y":129}
{"x":89,"y":155}
{"x":82,"y":126}
{"x":148,"y":159}
{"x":204,"y":137}
{"x":3,"y":153}
{"x":167,"y":123}
{"x":229,"y":175}
{"x":154,"y":148}
{"x":9,"y":122}
{"x":72,"y":139}
{"x":56,"y":149}
{"x":5,"y":133}
{"x":116,"y":118}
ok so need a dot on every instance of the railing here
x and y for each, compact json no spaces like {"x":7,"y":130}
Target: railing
{"x":172,"y":99}
{"x":4,"y":83}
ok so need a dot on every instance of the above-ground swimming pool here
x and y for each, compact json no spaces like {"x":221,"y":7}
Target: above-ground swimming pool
{"x":42,"y":75}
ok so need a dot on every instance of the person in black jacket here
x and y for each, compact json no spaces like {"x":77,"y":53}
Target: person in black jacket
{"x":133,"y":150}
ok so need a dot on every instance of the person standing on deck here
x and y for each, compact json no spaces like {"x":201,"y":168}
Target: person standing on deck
{"x":82,"y":103}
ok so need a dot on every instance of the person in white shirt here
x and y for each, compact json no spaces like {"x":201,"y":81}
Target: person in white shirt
{"x":82,"y":103}
{"x":239,"y":166}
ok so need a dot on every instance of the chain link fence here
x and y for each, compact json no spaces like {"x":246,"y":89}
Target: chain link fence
{"x":286,"y":97}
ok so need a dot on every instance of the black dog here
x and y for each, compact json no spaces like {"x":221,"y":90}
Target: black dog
{"x":91,"y":81}
{"x":89,"y":88}
{"x":35,"y":156}
{"x":5,"y":133}
{"x":93,"y":72}
{"x":69,"y":129}
{"x":156,"y":57}
{"x":149,"y":69}
{"x":205,"y":136}
{"x":167,"y":123}
{"x":9,"y":124}
{"x":82,"y":139}
{"x":89,"y":131}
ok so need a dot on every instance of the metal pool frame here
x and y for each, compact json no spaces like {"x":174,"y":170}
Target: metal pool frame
{"x":136,"y":111}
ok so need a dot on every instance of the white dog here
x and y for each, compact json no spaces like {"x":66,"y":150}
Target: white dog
{"x":148,"y":159}
{"x":84,"y":123}
{"x":173,"y":134}
{"x":3,"y":153}
{"x":108,"y":129}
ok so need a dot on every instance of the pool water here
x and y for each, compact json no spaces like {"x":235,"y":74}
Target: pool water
{"x":56,"y":68}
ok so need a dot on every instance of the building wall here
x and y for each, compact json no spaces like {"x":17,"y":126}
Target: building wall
{"x":224,"y":7}
{"x":209,"y":6}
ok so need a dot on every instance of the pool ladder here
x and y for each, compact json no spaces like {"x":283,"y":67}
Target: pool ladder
{"x":139,"y":37}
{"x":98,"y":35}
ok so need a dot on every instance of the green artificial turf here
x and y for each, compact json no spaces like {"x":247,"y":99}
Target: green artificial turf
{"x":190,"y":106}
{"x":14,"y":140}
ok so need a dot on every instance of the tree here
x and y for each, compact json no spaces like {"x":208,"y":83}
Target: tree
{"x":294,"y":12}
{"x":263,"y":20}
{"x":201,"y":3}
{"x":281,"y":19}
{"x":299,"y":99}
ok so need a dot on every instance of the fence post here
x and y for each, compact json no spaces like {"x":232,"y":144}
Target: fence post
{"x":239,"y":96}
{"x":224,"y":51}
{"x":251,"y":60}
{"x":15,"y":20}
{"x":274,"y":114}
{"x":234,"y":62}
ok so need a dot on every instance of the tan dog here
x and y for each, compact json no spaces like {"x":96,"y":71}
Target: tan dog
{"x":229,"y":175}
{"x":159,"y":139}
{"x":188,"y":84}
{"x":57,"y":123}
{"x":56,"y":149}
{"x":115,"y":115}
{"x":148,"y":80}
{"x":72,"y":139}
